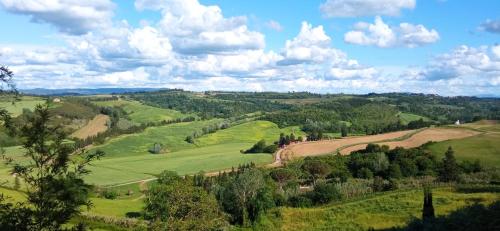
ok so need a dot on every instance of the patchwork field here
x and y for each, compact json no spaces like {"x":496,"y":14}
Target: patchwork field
{"x":378,"y":212}
{"x":140,"y":113}
{"x":128,"y":160}
{"x":330,"y":146}
{"x":97,"y":125}
{"x":420,"y":138}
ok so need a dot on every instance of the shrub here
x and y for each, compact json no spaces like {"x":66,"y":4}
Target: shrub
{"x":109,"y":194}
{"x":300,"y":201}
{"x":324,"y":193}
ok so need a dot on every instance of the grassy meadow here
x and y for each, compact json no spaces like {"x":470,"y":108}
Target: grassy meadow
{"x":17,"y":107}
{"x":386,"y":210}
{"x":141,"y":113}
{"x":485,"y":147}
{"x":127,"y":158}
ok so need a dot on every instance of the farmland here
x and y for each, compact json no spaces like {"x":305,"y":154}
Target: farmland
{"x":127,"y":158}
{"x":95,"y":126}
{"x":212,"y":141}
{"x":420,"y":138}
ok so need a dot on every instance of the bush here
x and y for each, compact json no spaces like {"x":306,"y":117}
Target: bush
{"x":300,"y":201}
{"x":109,"y":194}
{"x":324,"y":193}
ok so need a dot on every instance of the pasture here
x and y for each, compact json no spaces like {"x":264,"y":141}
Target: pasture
{"x":128,"y":160}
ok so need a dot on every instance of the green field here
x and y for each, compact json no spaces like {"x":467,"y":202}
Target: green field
{"x":387,"y":210}
{"x":128,"y":160}
{"x":485,"y":147}
{"x":140,"y":113}
{"x":16,"y":109}
{"x":250,"y":132}
{"x":406,"y":118}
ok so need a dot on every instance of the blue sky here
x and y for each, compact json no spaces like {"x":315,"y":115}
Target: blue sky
{"x":448,"y":47}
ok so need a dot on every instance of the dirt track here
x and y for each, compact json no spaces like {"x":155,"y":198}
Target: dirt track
{"x":422,"y":137}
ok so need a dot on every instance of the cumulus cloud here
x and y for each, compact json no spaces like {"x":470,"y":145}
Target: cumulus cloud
{"x":476,"y":66}
{"x":194,"y":28}
{"x":382,"y":35}
{"x":68,"y":16}
{"x":492,"y":26}
{"x":357,"y":8}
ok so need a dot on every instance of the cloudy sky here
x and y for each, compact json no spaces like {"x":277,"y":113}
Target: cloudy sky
{"x":448,"y":47}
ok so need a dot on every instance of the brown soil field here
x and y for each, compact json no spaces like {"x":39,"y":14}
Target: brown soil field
{"x":329,"y":146}
{"x":96,"y":125}
{"x":422,"y":137}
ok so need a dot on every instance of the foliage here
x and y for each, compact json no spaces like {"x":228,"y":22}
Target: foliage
{"x":173,"y":204}
{"x":449,"y":170}
{"x":55,"y":191}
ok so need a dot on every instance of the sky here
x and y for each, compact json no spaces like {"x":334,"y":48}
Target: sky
{"x":446,"y":47}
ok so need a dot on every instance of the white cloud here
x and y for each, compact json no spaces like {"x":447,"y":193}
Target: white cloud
{"x":462,"y":69}
{"x":68,"y":16}
{"x":311,"y":45}
{"x":382,"y":35}
{"x":274,"y":25}
{"x":196,"y":29}
{"x":496,"y":51}
{"x":357,"y":8}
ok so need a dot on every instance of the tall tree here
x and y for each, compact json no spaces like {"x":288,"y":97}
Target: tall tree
{"x":450,"y":170}
{"x":54,"y":181}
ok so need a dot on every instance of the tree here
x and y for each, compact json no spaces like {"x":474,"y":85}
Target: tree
{"x":174,"y":204}
{"x":428,"y":209}
{"x":54,"y":181}
{"x":245,"y":197}
{"x":316,"y":169}
{"x":343,"y":130}
{"x":449,"y":169}
{"x":282,"y":175}
{"x":395,"y":171}
{"x":324,"y":193}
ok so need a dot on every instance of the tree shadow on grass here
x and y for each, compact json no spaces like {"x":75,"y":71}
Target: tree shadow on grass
{"x":476,"y":217}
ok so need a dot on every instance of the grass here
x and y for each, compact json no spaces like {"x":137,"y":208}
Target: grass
{"x":406,"y":118}
{"x":250,"y":132}
{"x":128,"y":160}
{"x":140,"y":113}
{"x":16,"y":109}
{"x":134,"y":168}
{"x":485,"y":147}
{"x":384,"y":211}
{"x":172,"y":137}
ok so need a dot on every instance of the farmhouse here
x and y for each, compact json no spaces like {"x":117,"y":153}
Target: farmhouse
{"x":56,"y":100}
